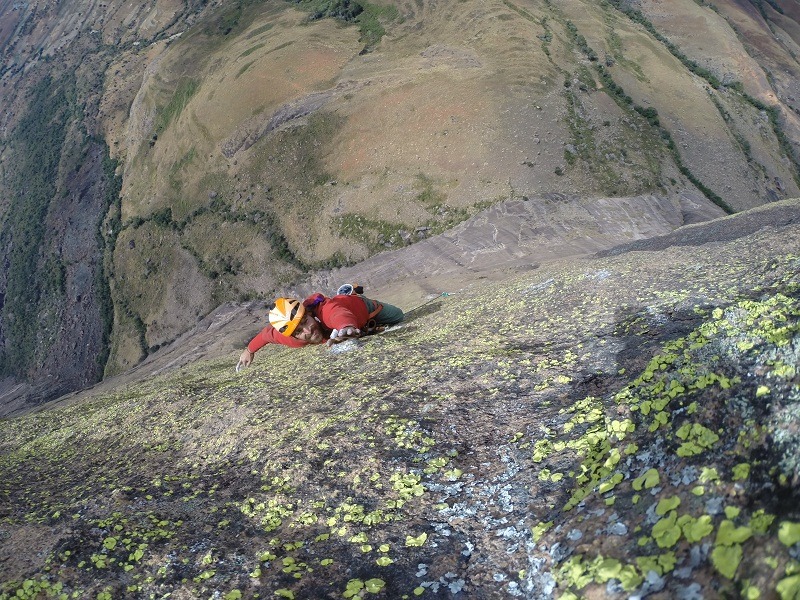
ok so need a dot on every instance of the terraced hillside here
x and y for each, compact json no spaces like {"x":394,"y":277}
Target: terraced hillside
{"x":258,"y":142}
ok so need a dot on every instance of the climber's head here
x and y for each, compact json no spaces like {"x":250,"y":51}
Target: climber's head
{"x":286,"y":315}
{"x":292,"y":319}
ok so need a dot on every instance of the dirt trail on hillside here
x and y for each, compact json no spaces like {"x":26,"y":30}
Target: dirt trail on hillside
{"x":503,"y":240}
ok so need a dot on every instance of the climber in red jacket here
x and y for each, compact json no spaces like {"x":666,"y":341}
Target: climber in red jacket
{"x":320,"y":319}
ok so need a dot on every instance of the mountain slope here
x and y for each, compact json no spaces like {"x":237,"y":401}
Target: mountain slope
{"x":614,"y":425}
{"x":258,"y":142}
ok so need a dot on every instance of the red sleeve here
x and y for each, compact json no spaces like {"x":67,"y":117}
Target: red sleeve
{"x":270,"y":335}
{"x":343,"y":311}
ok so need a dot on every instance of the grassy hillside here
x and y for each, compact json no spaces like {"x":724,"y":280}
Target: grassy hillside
{"x":38,"y":142}
{"x":326,"y":139}
{"x":261,"y":140}
{"x":619,"y":425}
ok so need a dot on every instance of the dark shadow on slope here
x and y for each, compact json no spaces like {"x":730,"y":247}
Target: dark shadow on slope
{"x":720,"y":230}
{"x":721,"y":409}
{"x":643,"y":333}
{"x":423,"y":310}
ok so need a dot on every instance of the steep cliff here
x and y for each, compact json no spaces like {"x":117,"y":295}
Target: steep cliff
{"x":620,"y":425}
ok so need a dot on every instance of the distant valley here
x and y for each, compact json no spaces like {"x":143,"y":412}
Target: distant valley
{"x":159,"y":160}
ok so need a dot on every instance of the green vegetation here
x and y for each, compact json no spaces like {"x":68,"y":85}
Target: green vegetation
{"x":281,"y":46}
{"x":292,"y":161}
{"x":370,"y":22}
{"x":138,"y":325}
{"x":580,"y":41}
{"x":428,"y":195}
{"x":37,"y":142}
{"x":370,"y":232}
{"x":592,"y":155}
{"x":523,"y":12}
{"x":252,"y":49}
{"x":773,"y":113}
{"x":217,"y":267}
{"x":686,"y":172}
{"x":344,"y":10}
{"x":233,"y":18}
{"x":223,"y":213}
{"x":55,"y":273}
{"x":259,"y":30}
{"x":744,"y":144}
{"x":106,"y":242}
{"x":637,"y":16}
{"x":174,"y":171}
{"x":613,"y":89}
{"x":601,"y":158}
{"x":298,"y":162}
{"x":714,"y":82}
{"x":244,"y":68}
{"x":582,"y":138}
{"x":546,"y":37}
{"x":229,"y":18}
{"x":615,"y":45}
{"x":369,"y":17}
{"x":376,"y":234}
{"x":651,"y":114}
{"x":184,"y":91}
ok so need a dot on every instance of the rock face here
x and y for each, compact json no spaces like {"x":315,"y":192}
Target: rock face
{"x":514,"y":236}
{"x":622,"y":425}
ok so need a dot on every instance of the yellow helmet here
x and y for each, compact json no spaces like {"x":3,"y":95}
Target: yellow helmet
{"x":286,"y":315}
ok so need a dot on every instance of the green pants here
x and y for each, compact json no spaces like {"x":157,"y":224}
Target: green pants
{"x":389,"y":315}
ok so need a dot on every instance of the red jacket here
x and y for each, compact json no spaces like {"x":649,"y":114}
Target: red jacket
{"x":332,"y":313}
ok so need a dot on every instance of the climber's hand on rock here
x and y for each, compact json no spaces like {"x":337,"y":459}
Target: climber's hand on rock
{"x":345,"y":333}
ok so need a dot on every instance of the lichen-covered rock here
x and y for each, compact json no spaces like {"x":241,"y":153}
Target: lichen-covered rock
{"x":620,"y":426}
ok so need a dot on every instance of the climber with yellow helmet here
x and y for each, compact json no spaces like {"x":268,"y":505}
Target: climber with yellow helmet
{"x":319,"y":319}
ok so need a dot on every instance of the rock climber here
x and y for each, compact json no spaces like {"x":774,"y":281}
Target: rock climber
{"x":319,"y":319}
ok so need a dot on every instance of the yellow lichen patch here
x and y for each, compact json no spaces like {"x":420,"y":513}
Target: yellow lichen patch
{"x":789,"y":533}
{"x":420,"y":456}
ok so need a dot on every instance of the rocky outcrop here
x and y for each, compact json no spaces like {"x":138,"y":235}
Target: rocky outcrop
{"x":515,"y":236}
{"x":614,"y":426}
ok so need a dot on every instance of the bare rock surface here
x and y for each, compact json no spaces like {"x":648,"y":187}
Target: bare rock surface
{"x":620,"y":425}
{"x":512,"y":237}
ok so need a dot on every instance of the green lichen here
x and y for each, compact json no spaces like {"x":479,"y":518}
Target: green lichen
{"x":726,"y":559}
{"x":418,"y":447}
{"x":789,"y":533}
